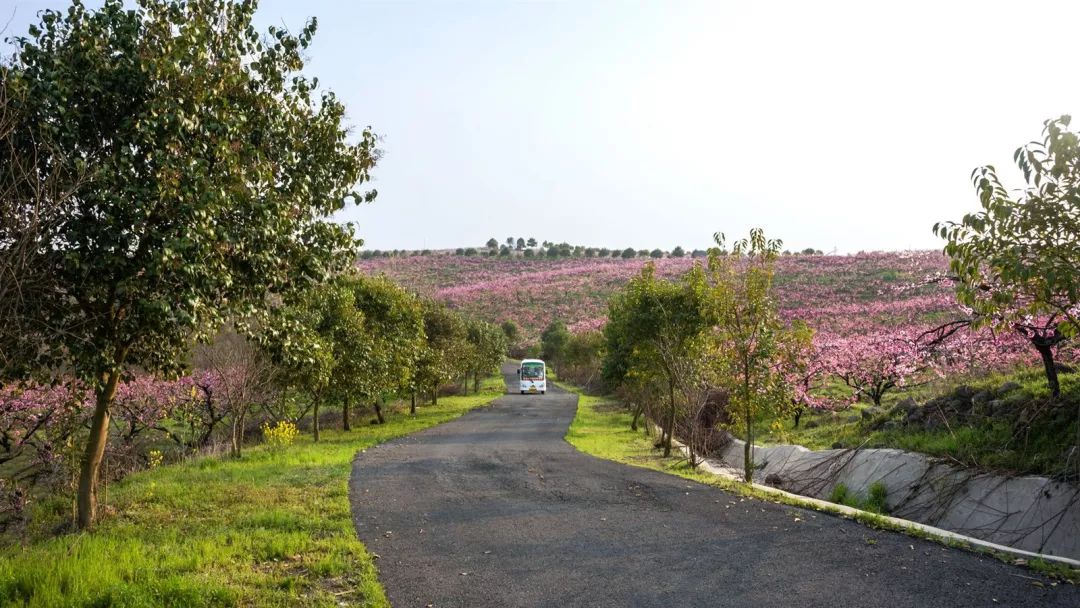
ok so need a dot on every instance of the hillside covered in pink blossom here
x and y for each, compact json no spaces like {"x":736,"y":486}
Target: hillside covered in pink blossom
{"x":838,"y":294}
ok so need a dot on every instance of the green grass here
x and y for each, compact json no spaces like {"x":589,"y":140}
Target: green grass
{"x":269,"y":529}
{"x":873,"y":501}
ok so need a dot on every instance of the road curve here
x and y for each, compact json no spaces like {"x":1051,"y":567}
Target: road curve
{"x":496,"y":509}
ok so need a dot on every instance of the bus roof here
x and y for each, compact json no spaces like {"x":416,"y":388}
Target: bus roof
{"x":524,"y":361}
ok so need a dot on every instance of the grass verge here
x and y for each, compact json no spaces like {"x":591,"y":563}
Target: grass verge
{"x":602,"y":428}
{"x":268,"y":529}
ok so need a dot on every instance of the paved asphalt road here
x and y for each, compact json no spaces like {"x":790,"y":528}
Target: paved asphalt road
{"x":496,"y":509}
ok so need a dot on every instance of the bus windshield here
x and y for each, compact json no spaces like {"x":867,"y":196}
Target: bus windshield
{"x":532,"y":371}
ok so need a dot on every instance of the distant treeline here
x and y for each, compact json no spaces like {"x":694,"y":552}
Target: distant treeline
{"x":530,"y":248}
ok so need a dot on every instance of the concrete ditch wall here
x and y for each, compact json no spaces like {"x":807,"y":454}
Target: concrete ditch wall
{"x":1029,"y":513}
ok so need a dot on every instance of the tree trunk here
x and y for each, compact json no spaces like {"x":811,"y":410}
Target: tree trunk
{"x":671,"y":419}
{"x":637,"y":414}
{"x":315,"y":420}
{"x":412,"y":405}
{"x":435,"y":396}
{"x":345,"y":424}
{"x":475,"y":383}
{"x":748,"y":448}
{"x":238,"y":433}
{"x":798,"y":415}
{"x":1046,"y":351}
{"x":95,"y":451}
{"x":378,"y":410}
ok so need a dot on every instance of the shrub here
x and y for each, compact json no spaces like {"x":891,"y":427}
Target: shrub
{"x":840,"y":495}
{"x":875,"y":501}
{"x":280,"y":435}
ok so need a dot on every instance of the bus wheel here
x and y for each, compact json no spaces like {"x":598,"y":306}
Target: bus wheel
{"x":542,"y":392}
{"x":522,"y":392}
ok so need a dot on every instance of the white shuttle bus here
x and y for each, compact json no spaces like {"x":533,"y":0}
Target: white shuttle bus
{"x":533,"y":376}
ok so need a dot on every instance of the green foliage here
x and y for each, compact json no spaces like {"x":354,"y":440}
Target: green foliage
{"x":444,"y":339}
{"x":1019,"y":256}
{"x":874,"y":501}
{"x":628,"y":253}
{"x":510,"y":330}
{"x":486,"y":347}
{"x":1016,"y":262}
{"x":206,"y":166}
{"x":553,"y":341}
{"x":656,"y":254}
{"x":655,"y":334}
{"x":748,"y":345}
{"x":210,"y":165}
{"x":582,"y":358}
{"x":678,"y":252}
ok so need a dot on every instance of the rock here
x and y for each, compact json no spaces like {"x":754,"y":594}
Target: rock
{"x":1007,"y":387}
{"x":906,"y":406}
{"x":987,"y":409}
{"x":811,"y":424}
{"x":982,"y":397}
{"x":963,"y":393}
{"x":774,"y":480}
{"x":837,"y":445}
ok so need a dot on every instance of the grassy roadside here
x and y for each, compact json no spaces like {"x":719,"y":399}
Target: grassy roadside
{"x":602,"y":428}
{"x":269,"y":529}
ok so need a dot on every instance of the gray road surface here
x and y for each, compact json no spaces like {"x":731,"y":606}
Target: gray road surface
{"x":496,"y":509}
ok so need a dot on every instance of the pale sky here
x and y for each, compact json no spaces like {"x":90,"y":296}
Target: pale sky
{"x":847,"y":125}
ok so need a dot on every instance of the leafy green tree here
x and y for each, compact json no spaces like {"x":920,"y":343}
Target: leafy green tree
{"x":582,"y":358}
{"x":510,"y":241}
{"x":384,"y":357}
{"x":552,"y":252}
{"x":520,"y":244}
{"x":656,"y":330}
{"x":492,"y":243}
{"x":511,"y":331}
{"x":469,"y":251}
{"x":747,"y":345}
{"x":310,"y":339}
{"x":1017,"y":262}
{"x":529,"y":253}
{"x":444,"y":339}
{"x":531,"y":242}
{"x":504,"y":251}
{"x":628,"y":253}
{"x":678,"y":252}
{"x":486,"y":349}
{"x":211,"y":166}
{"x":656,"y":254}
{"x":553,"y":342}
{"x":603,"y":252}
